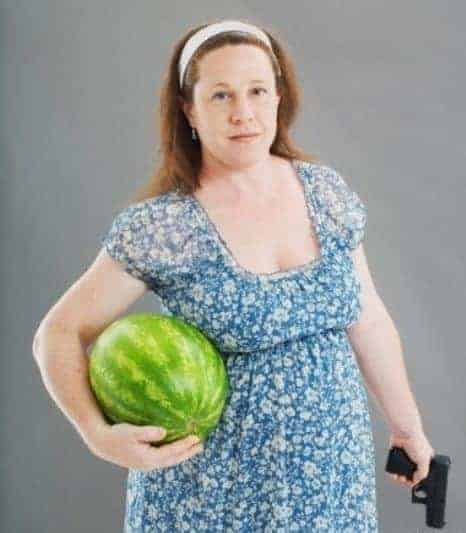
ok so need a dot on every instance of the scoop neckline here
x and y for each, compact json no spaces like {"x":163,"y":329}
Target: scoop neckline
{"x":313,"y":221}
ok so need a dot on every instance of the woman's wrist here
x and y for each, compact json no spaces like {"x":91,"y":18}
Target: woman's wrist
{"x":407,"y":428}
{"x":91,"y":430}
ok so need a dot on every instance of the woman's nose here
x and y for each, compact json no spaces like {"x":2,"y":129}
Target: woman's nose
{"x":242,"y":108}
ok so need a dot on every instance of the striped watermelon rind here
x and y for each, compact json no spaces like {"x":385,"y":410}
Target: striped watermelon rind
{"x":159,"y":370}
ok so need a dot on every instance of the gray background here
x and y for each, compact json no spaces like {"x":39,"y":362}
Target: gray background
{"x":384,"y":103}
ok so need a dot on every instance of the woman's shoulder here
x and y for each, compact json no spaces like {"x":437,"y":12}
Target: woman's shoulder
{"x":157,"y":207}
{"x":326,"y":178}
{"x":151,"y":218}
{"x":344,"y":210}
{"x":317,"y":168}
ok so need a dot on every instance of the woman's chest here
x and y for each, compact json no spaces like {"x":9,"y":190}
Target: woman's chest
{"x":242,"y":312}
{"x":266,"y":235}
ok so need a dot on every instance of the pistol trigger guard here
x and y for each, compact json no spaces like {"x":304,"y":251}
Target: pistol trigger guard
{"x":419,"y":487}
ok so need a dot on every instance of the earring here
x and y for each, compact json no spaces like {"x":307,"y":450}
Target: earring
{"x":194,"y":136}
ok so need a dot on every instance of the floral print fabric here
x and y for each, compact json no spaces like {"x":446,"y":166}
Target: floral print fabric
{"x":293,"y":450}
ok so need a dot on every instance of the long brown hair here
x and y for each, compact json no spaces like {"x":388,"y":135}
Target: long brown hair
{"x":180,"y":155}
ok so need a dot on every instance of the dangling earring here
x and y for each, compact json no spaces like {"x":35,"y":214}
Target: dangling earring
{"x":194,"y":136}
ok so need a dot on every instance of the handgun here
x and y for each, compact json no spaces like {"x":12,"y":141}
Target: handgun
{"x":434,"y":486}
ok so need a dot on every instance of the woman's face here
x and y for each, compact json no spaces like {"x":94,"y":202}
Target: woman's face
{"x":235,"y":94}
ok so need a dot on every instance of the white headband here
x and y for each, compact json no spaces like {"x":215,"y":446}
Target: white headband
{"x":203,"y":34}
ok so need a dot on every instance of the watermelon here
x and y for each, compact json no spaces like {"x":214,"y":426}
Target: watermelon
{"x":159,"y":370}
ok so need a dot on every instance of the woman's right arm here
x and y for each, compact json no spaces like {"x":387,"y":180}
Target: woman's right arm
{"x":63,"y":363}
{"x":94,"y":301}
{"x":97,"y":299}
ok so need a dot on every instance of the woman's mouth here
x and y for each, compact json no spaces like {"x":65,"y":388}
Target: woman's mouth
{"x":245,"y":138}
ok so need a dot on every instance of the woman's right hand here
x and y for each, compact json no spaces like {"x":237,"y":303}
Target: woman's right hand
{"x":128,"y":445}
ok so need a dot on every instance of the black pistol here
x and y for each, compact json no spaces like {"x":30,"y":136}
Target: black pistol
{"x":434,"y":485}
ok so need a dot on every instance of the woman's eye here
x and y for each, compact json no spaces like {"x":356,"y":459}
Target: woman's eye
{"x":223,"y":92}
{"x":216,"y":94}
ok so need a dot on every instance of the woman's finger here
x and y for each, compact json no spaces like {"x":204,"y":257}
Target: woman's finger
{"x":400,"y":479}
{"x":422,"y":472}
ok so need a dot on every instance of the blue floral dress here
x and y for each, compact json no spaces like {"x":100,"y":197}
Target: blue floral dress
{"x":293,"y":450}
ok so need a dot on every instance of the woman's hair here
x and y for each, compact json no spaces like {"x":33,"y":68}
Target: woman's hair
{"x":180,"y":154}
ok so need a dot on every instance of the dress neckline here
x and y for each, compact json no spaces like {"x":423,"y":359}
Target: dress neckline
{"x":313,"y":220}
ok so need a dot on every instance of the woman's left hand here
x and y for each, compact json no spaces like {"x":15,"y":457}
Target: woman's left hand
{"x":419,"y":450}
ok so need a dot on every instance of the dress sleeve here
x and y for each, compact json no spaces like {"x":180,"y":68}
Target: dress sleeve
{"x":129,"y":240}
{"x":347,"y":214}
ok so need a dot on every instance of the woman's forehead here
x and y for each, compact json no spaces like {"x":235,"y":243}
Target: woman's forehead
{"x":229,"y":61}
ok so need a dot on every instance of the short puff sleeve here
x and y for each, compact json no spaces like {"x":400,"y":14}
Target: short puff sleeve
{"x":346,"y":212}
{"x":129,"y":241}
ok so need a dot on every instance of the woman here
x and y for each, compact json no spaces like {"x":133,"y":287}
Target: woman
{"x":260,"y":246}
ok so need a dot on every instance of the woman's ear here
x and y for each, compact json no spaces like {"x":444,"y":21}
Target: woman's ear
{"x":186,"y":108}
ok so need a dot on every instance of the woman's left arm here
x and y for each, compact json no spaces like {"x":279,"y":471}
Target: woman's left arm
{"x":377,"y":346}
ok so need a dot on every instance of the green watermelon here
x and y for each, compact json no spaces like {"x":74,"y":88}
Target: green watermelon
{"x":158,"y":370}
